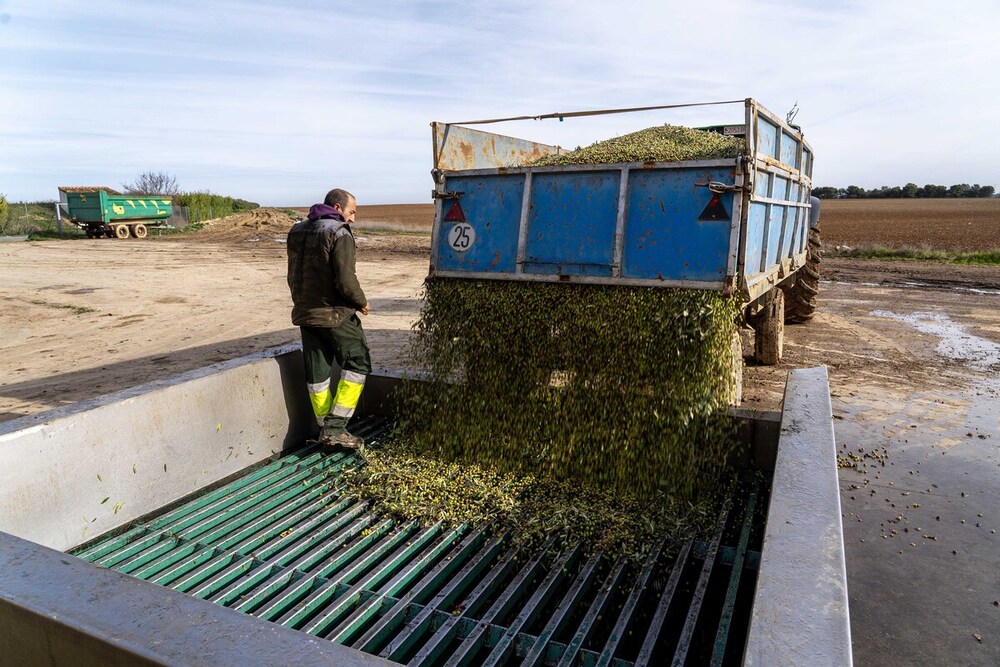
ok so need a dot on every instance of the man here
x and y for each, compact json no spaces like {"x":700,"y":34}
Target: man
{"x":326,"y":298}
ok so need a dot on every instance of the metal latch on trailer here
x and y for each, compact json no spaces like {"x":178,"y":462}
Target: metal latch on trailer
{"x":718,"y":187}
{"x":444,"y":194}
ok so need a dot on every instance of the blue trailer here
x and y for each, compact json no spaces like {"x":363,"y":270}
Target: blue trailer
{"x":739,"y":225}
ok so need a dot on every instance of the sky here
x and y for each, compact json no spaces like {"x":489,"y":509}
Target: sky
{"x":277,"y":101}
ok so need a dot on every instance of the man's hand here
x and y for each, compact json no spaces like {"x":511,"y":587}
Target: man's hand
{"x":365,"y":309}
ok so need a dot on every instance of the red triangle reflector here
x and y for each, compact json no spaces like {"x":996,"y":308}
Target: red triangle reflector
{"x":715,"y":211}
{"x":455,"y":213}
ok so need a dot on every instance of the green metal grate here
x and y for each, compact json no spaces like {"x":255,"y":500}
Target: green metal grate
{"x":286,"y":544}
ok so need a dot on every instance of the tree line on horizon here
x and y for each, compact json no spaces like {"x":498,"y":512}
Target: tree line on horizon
{"x":908,"y":191}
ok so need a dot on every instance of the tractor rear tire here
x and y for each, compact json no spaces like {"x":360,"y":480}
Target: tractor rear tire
{"x":140,"y":231}
{"x":801,"y":297}
{"x":121,"y":231}
{"x":769,"y":338}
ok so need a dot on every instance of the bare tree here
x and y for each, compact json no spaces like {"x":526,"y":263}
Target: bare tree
{"x":152,"y":183}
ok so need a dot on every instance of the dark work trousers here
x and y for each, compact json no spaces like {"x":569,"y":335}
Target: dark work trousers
{"x":345,"y":345}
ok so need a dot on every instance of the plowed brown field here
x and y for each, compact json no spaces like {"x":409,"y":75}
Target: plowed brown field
{"x":940,"y":224}
{"x":388,"y":217}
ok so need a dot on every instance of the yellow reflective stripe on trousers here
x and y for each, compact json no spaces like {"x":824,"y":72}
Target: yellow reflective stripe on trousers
{"x":321,"y":401}
{"x":348,"y":394}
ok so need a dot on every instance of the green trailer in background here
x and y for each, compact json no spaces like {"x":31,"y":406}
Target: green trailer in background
{"x":101,"y":211}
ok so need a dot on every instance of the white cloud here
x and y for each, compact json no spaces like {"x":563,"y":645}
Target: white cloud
{"x":276,"y":103}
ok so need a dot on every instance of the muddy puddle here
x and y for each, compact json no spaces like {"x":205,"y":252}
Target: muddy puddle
{"x":956,"y":341}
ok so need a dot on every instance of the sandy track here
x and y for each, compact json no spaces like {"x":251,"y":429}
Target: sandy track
{"x":85,"y":318}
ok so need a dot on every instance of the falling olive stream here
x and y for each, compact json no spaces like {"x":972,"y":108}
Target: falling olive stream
{"x":593,"y":412}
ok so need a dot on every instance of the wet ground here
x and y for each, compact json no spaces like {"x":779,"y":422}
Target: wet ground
{"x":916,"y":402}
{"x":923,"y":554}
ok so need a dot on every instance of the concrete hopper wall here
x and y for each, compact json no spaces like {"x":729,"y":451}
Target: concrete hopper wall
{"x":71,"y":474}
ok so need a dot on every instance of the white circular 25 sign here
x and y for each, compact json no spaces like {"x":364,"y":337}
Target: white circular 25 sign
{"x":461,"y":236}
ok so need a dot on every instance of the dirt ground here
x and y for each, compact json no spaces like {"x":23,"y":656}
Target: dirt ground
{"x":941,"y":224}
{"x":84,"y":318}
{"x":913,"y":352}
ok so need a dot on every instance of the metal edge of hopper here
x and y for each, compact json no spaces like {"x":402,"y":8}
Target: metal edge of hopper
{"x":60,"y":610}
{"x":800,"y":611}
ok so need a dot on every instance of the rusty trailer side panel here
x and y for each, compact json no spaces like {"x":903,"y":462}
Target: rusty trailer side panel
{"x":460,"y":148}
